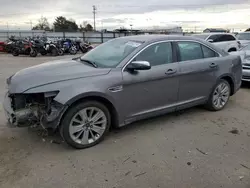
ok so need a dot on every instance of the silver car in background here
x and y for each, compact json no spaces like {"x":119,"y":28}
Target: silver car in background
{"x":244,"y":53}
{"x":243,"y":38}
{"x":121,"y":81}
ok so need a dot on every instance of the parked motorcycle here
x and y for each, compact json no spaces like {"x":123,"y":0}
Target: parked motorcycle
{"x":2,"y":45}
{"x":9,"y":45}
{"x":68,"y":46}
{"x":85,"y":47}
{"x":45,"y":47}
{"x":25,"y":48}
{"x":53,"y":49}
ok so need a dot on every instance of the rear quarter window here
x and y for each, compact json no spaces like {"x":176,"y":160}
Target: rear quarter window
{"x":208,"y":53}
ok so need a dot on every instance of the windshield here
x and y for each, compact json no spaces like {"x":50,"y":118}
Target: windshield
{"x":243,"y":36}
{"x":201,"y":36}
{"x":111,"y":53}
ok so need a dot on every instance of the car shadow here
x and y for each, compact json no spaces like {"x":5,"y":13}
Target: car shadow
{"x":158,"y":121}
{"x":51,"y":140}
{"x":245,"y":85}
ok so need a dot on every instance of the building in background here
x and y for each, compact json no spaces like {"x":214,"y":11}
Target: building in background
{"x":215,"y":30}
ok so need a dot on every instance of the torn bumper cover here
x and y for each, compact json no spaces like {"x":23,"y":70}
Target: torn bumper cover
{"x":33,"y":114}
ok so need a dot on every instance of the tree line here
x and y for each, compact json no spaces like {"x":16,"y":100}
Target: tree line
{"x":62,"y":24}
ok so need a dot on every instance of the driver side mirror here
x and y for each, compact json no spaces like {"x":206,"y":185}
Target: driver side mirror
{"x":138,"y":65}
{"x":210,"y":40}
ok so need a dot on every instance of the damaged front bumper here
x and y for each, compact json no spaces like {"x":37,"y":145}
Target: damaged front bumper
{"x":33,"y":114}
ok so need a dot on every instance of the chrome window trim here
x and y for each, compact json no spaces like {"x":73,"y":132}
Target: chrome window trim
{"x":162,"y":41}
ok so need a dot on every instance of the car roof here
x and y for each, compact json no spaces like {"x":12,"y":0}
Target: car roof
{"x":152,"y":38}
{"x":244,"y":32}
{"x":220,"y":34}
{"x":156,"y":38}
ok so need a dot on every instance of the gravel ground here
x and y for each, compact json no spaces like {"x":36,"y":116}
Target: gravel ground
{"x":192,"y":148}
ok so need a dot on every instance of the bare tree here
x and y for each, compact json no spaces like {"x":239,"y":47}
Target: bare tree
{"x":43,"y":24}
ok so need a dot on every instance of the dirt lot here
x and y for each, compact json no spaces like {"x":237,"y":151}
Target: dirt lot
{"x":193,"y":148}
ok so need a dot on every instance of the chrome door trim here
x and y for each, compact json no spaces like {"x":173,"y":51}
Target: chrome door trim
{"x":169,"y":106}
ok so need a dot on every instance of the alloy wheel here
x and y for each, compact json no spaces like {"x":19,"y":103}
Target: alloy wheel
{"x":221,"y":95}
{"x":87,"y":125}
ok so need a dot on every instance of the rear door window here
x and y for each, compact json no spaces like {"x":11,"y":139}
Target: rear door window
{"x":192,"y":50}
{"x":222,"y":38}
{"x":225,"y":38}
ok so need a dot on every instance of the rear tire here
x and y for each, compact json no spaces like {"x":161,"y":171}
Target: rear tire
{"x":219,"y":97}
{"x":43,"y":53}
{"x":54,"y":52}
{"x":89,"y":119}
{"x":33,"y":53}
{"x":83,"y":50}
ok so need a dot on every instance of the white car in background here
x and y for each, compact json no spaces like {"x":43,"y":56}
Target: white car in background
{"x":244,"y":38}
{"x":224,"y":41}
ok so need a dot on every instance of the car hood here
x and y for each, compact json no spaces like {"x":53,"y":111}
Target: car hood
{"x":244,"y":41}
{"x":51,"y":72}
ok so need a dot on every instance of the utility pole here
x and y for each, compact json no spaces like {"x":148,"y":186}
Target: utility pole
{"x":31,"y":25}
{"x":7,"y":29}
{"x":94,"y":13}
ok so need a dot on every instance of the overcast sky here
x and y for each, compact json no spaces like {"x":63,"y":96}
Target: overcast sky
{"x":190,"y":14}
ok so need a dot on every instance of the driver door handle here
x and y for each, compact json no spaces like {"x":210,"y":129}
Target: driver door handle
{"x":171,"y":71}
{"x":213,"y":65}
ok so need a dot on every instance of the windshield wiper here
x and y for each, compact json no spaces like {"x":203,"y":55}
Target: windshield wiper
{"x":89,"y":62}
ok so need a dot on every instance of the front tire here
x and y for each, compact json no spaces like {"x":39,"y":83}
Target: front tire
{"x":15,"y":52}
{"x":85,"y":124}
{"x":73,"y":51}
{"x":219,"y":96}
{"x":60,"y":52}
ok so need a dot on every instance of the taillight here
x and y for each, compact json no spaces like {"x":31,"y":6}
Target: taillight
{"x":239,"y":44}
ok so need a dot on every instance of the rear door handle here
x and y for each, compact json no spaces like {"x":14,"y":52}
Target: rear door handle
{"x":171,"y":71}
{"x":213,"y":65}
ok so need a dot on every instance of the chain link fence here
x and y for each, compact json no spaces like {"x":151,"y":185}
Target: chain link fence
{"x":93,"y":37}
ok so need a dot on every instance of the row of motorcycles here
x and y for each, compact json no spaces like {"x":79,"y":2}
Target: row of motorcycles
{"x":44,"y":46}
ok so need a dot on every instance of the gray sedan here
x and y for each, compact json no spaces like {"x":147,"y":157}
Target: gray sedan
{"x":121,"y":81}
